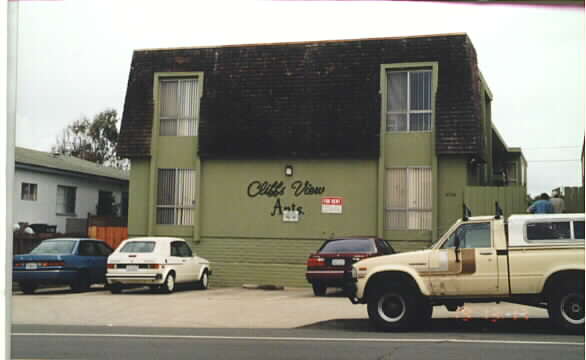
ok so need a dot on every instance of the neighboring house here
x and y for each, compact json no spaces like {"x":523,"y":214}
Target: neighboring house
{"x":53,"y":189}
{"x":256,"y":153}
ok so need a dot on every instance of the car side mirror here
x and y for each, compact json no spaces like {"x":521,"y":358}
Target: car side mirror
{"x":457,"y":242}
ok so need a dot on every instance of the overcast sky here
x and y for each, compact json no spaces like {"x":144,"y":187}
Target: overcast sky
{"x":74,"y":58}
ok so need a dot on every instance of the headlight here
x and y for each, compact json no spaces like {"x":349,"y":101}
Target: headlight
{"x":354,"y":273}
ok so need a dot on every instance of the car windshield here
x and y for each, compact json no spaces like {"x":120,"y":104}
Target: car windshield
{"x":55,"y":247}
{"x":138,"y":247}
{"x":348,"y":246}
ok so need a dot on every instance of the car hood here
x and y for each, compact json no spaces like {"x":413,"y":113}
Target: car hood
{"x":417,"y":259}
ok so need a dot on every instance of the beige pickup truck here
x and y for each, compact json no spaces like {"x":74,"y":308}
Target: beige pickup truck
{"x":535,"y":260}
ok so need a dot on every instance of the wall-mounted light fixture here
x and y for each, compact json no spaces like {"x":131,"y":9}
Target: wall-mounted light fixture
{"x":288,"y":170}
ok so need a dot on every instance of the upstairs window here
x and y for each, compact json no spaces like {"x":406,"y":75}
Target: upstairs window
{"x":176,"y":197}
{"x":409,"y":101}
{"x":179,"y":107}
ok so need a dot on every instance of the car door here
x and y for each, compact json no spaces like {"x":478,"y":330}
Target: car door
{"x":90,"y":260}
{"x":190,"y":261}
{"x":176,"y":262}
{"x":470,"y":270}
{"x":103,"y":251}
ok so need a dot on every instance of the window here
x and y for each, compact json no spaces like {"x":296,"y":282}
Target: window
{"x":54,"y":247}
{"x":106,"y":203}
{"x":178,"y":113}
{"x":176,"y":196}
{"x":472,"y":236}
{"x":102,"y":249}
{"x":512,"y":173}
{"x":578,"y":230}
{"x":179,"y":248}
{"x":65,"y":200}
{"x":346,"y":246}
{"x":87,"y":248}
{"x":409,"y":100}
{"x":408,"y":199}
{"x":28,"y":192}
{"x":548,"y":231}
{"x":138,"y":247}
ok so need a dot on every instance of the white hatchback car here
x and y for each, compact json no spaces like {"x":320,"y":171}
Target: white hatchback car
{"x":159,"y":262}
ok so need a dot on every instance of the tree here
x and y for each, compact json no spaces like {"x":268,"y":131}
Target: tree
{"x":93,"y":141}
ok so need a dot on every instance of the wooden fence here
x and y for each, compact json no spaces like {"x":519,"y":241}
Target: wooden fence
{"x":112,"y":235}
{"x":481,"y":199}
{"x":112,"y":230}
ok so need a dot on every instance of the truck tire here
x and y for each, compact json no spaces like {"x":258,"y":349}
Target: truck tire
{"x":566,"y":308}
{"x":393,"y":309}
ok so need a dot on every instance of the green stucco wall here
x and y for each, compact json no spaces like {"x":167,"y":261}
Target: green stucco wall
{"x":452,"y":180}
{"x":138,"y":206}
{"x":229,"y":210}
{"x":413,"y":149}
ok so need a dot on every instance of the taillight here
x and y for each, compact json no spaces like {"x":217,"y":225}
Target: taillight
{"x":314,"y":261}
{"x":111,"y":266}
{"x":18,"y":264}
{"x":55,"y":263}
{"x":154,"y":266}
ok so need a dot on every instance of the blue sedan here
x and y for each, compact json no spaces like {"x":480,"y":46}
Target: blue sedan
{"x":74,"y":262}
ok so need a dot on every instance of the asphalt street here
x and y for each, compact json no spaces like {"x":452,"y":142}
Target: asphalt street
{"x":233,"y":323}
{"x":69,"y":342}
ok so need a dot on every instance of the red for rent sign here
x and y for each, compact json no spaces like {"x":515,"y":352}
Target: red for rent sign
{"x":332,"y":205}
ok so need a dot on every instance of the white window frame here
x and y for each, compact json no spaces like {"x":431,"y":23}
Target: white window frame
{"x":408,"y":110}
{"x":388,"y":210}
{"x":184,"y":189}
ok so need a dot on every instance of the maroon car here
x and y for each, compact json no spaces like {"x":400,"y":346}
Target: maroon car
{"x":331,"y":265}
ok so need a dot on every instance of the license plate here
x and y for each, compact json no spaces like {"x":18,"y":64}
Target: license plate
{"x":337,"y":262}
{"x":31,"y":266}
{"x":131,"y":267}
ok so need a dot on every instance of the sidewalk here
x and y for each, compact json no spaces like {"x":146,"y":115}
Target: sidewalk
{"x":217,"y":308}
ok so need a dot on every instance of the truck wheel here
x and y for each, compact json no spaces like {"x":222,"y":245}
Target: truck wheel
{"x":393,"y":309}
{"x":28,"y":288}
{"x":319,"y":289}
{"x":566,"y":308}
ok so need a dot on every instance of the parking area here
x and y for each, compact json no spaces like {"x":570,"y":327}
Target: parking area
{"x":215,"y":308}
